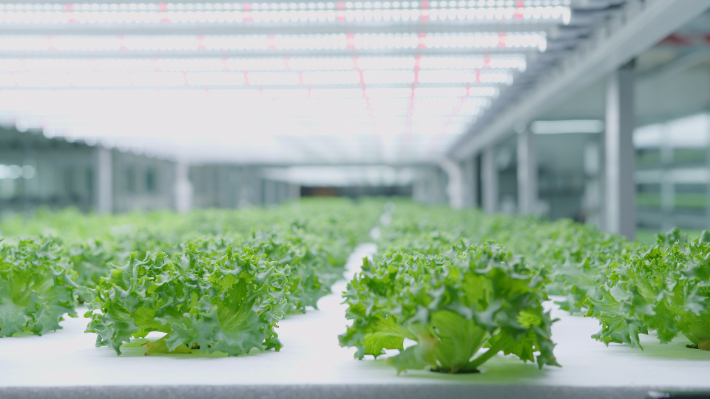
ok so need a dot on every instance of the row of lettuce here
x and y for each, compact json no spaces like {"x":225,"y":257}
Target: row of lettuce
{"x":444,"y":283}
{"x":214,"y":280}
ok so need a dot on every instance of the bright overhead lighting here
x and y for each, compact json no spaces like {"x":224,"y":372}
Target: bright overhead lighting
{"x":567,"y":126}
{"x":162,"y":114}
{"x":490,"y":41}
{"x":467,"y":62}
{"x":57,"y":80}
{"x":67,"y":71}
{"x":298,"y":13}
{"x":342,"y":175}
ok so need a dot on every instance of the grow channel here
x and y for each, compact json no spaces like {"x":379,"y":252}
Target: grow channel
{"x":312,"y":363}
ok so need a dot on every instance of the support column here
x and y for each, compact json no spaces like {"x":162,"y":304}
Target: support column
{"x":103,"y":180}
{"x":469,"y":171}
{"x":620,"y":156}
{"x":183,"y":187}
{"x":527,"y":173}
{"x":455,"y":186}
{"x":489,"y":177}
{"x":593,"y":186}
{"x":438,"y":191}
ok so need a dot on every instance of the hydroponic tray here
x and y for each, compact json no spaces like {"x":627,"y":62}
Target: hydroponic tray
{"x":66,"y":364}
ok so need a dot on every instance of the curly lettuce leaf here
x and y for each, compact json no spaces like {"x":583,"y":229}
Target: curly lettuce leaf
{"x":452,"y":305}
{"x":36,"y":287}
{"x":665,"y":288}
{"x":229,"y":304}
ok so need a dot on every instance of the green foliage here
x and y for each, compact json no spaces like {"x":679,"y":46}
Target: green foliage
{"x":310,"y":238}
{"x":665,"y":288}
{"x":451,"y":302}
{"x":632,"y":289}
{"x":174,"y":267}
{"x":629,"y":287}
{"x":574,"y":255}
{"x":228,"y":303}
{"x":36,"y":287}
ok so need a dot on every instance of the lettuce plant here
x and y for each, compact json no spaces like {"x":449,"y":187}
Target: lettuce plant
{"x":665,"y":288}
{"x":311,"y":274}
{"x":574,"y":255}
{"x":229,"y":303}
{"x":36,"y":287}
{"x":450,"y":305}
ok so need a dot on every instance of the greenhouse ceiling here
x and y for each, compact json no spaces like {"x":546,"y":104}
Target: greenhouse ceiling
{"x":383,"y":82}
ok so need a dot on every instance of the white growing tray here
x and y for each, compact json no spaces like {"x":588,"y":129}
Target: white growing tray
{"x":312,"y":365}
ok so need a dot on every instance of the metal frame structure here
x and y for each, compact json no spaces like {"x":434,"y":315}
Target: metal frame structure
{"x":631,"y":27}
{"x":411,"y":131}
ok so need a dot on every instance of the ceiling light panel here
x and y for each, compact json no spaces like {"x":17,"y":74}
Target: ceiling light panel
{"x":19,"y":80}
{"x":491,"y":61}
{"x":270,"y":14}
{"x":489,"y":41}
{"x":264,"y":92}
{"x":82,"y":108}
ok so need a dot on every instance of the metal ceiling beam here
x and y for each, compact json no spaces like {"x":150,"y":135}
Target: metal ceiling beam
{"x":633,"y":29}
{"x":680,"y":64}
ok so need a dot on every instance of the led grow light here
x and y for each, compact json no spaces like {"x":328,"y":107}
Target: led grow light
{"x":75,"y":109}
{"x":19,"y":80}
{"x":567,"y":126}
{"x":491,"y":61}
{"x":490,"y":41}
{"x":281,"y":13}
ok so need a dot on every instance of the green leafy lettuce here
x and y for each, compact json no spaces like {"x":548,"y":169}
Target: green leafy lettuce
{"x":36,"y":287}
{"x":450,"y":305}
{"x":665,"y":288}
{"x":574,"y":255}
{"x":214,"y":302}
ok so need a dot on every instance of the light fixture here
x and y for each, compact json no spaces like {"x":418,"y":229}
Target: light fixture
{"x":500,"y":62}
{"x":524,"y":12}
{"x":223,"y":79}
{"x":57,"y":44}
{"x":567,"y":126}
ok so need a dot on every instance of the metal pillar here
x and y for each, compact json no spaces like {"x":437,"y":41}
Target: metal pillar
{"x":593,"y":185}
{"x":620,"y":156}
{"x":183,"y":187}
{"x":455,"y":185}
{"x":469,"y":170}
{"x":438,"y":186}
{"x":489,"y":177}
{"x":103,"y":180}
{"x":527,"y":173}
